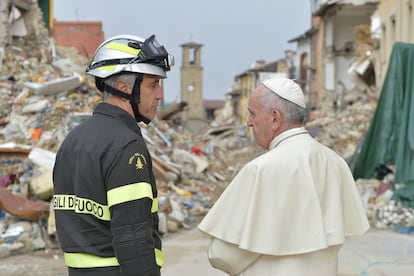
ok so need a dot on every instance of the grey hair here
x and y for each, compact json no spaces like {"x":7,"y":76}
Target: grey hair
{"x":292,"y":112}
{"x":110,"y":81}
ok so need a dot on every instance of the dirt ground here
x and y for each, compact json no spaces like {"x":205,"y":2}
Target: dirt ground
{"x":51,"y":262}
{"x":39,"y":263}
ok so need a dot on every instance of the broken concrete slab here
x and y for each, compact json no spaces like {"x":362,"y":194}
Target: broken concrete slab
{"x":55,"y":86}
{"x":37,"y":106}
{"x":199,"y":163}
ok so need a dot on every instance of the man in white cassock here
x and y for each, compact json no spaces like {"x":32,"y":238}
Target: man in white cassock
{"x":288,"y":211}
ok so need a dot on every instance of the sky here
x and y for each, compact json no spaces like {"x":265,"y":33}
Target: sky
{"x":234,"y":33}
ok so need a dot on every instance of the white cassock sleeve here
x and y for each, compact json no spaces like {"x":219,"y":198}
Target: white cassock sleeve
{"x":229,"y":257}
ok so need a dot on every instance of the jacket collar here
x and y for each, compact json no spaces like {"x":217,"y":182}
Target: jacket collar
{"x":285,"y":135}
{"x":119,"y":114}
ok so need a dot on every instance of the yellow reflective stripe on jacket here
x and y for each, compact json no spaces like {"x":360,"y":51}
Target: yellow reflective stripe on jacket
{"x":128,"y":193}
{"x":154,"y":207}
{"x":82,"y":206}
{"x":83,"y":260}
{"x":123,"y":48}
{"x":159,"y":257}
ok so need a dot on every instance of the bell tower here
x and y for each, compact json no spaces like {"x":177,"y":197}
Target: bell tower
{"x":192,"y":82}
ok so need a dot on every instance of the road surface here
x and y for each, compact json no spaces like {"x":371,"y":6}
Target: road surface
{"x":379,"y":252}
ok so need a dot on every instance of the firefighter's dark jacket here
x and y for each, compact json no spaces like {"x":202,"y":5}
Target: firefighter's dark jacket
{"x":105,"y":198}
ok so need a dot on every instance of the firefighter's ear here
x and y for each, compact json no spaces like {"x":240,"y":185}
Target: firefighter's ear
{"x":123,"y":85}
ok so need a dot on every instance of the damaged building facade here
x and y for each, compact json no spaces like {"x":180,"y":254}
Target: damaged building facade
{"x":395,"y":21}
{"x":334,"y":49}
{"x":244,"y":83}
{"x":349,"y":44}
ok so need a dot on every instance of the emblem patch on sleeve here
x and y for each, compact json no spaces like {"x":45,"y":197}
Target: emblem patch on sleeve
{"x":138,"y":160}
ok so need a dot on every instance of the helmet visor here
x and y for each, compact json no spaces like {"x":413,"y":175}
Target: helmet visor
{"x":154,"y":53}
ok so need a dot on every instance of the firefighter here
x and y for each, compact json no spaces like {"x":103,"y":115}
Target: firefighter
{"x":105,"y":195}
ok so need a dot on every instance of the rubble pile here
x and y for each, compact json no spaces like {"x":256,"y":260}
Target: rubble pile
{"x":343,"y":129}
{"x":342,"y":122}
{"x":382,"y":211}
{"x":32,"y":118}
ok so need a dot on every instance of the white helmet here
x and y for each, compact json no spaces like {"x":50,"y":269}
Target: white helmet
{"x":130,"y":53}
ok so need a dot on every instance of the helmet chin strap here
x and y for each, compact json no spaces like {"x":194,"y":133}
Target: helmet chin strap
{"x":133,"y":98}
